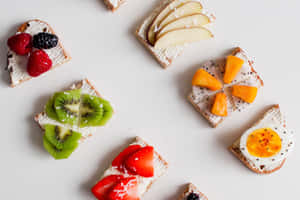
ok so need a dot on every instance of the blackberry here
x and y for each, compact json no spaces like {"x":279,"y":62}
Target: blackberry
{"x":193,"y":196}
{"x":44,"y":40}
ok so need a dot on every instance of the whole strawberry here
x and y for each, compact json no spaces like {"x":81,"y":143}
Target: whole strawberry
{"x":20,"y":43}
{"x":38,"y":63}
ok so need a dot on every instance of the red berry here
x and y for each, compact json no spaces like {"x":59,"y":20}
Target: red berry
{"x":20,"y":43}
{"x":141,"y":162}
{"x":101,"y":189}
{"x":118,"y":162}
{"x":126,"y":189}
{"x":38,"y":63}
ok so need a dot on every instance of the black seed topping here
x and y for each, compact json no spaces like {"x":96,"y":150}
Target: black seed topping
{"x":9,"y":56}
{"x":45,"y":29}
{"x":262,"y":167}
{"x":28,"y":24}
{"x":193,"y":196}
{"x":44,"y":41}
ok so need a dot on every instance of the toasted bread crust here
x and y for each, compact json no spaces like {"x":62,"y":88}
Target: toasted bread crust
{"x":78,"y":85}
{"x":112,"y":7}
{"x":236,"y":151}
{"x":23,"y":28}
{"x":214,"y":125}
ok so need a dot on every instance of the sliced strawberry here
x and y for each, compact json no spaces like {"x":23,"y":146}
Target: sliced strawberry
{"x":141,"y":162}
{"x":38,"y":63}
{"x":102,"y":188}
{"x":118,"y":162}
{"x":126,"y":189}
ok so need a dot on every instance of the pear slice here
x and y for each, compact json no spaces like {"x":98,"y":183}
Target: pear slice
{"x":182,"y":36}
{"x":156,"y":21}
{"x":186,"y":9}
{"x":185,"y":22}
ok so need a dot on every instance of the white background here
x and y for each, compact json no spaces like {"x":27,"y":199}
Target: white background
{"x":149,"y":101}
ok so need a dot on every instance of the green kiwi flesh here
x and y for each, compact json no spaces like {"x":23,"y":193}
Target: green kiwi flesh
{"x":57,"y":153}
{"x":66,"y":105}
{"x":94,"y":111}
{"x":60,"y":137}
{"x":50,"y":110}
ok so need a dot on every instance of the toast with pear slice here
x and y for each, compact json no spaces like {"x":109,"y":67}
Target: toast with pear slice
{"x":172,"y":25}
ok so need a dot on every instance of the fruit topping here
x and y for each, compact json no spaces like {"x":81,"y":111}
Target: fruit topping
{"x":67,"y":105}
{"x":20,"y":43}
{"x":141,"y":162}
{"x":220,"y":105}
{"x":38,"y":63}
{"x":203,"y":79}
{"x":44,"y":40}
{"x":94,"y":111}
{"x":246,"y":93}
{"x":126,"y":189}
{"x":60,"y":142}
{"x":182,"y":36}
{"x":104,"y":186}
{"x":263,"y":143}
{"x":60,"y":137}
{"x":193,"y":196}
{"x":118,"y":162}
{"x":232,"y":68}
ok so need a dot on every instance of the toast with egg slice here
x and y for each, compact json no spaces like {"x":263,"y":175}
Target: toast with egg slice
{"x":193,"y":192}
{"x":203,"y":98}
{"x":187,"y":18}
{"x":16,"y":64}
{"x":267,"y":153}
{"x":86,"y":88}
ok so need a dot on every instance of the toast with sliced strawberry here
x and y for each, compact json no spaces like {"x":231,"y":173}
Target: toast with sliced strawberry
{"x":131,"y":173}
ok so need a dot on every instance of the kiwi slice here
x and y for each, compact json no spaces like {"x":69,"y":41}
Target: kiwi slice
{"x":58,"y":153}
{"x":94,"y":111}
{"x":66,"y":105}
{"x":60,"y":137}
{"x":50,"y":110}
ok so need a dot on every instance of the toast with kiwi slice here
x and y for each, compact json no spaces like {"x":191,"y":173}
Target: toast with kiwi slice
{"x":71,"y":116}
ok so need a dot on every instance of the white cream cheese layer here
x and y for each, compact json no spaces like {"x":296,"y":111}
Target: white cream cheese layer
{"x":85,"y":131}
{"x":17,"y":64}
{"x":144,"y":183}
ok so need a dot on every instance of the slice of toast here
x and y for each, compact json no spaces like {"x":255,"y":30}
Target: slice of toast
{"x":274,"y":114}
{"x":113,"y":5}
{"x":247,"y":76}
{"x":164,"y":56}
{"x":191,"y":188}
{"x":17,"y":65}
{"x":86,"y":88}
{"x":160,"y":168}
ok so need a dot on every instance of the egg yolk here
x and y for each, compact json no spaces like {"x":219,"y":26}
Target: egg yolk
{"x":263,"y":143}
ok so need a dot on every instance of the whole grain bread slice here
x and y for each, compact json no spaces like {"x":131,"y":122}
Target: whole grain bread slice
{"x":160,"y":168}
{"x":191,"y":188}
{"x":235,"y":149}
{"x":16,"y":65}
{"x":86,"y":87}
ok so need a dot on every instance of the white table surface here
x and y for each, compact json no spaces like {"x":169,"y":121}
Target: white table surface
{"x":149,"y":102}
